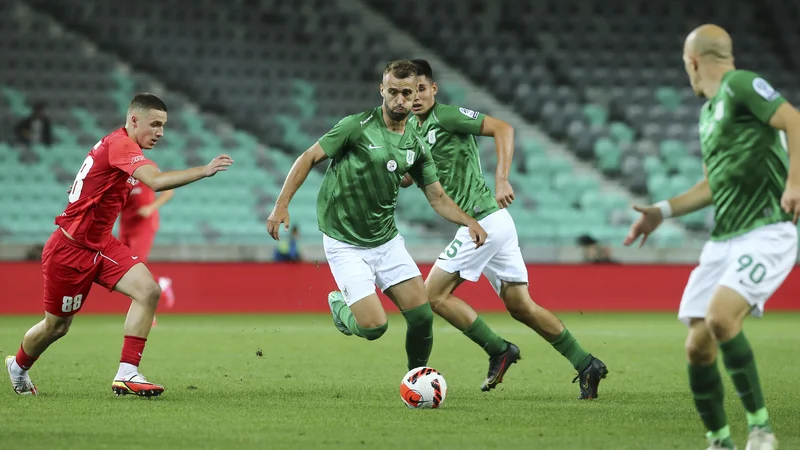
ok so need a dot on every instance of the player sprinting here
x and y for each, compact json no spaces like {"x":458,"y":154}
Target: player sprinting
{"x":755,"y":193}
{"x":82,"y":250}
{"x":139,"y":222}
{"x":370,"y":152}
{"x":450,"y":135}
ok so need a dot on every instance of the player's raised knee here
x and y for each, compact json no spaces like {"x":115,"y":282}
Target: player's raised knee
{"x":373,"y":333}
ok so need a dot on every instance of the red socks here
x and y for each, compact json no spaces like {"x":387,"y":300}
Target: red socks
{"x":132,"y":349}
{"x":23,"y":360}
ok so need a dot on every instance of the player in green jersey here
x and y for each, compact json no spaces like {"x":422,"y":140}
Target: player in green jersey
{"x":450,"y":135}
{"x":370,"y":153}
{"x":755,"y":192}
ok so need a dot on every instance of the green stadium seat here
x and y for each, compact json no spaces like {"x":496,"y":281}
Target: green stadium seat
{"x":653,"y":165}
{"x":673,"y":151}
{"x":608,"y":155}
{"x":595,"y":114}
{"x":668,"y":97}
{"x":532,"y":147}
{"x":456,"y":92}
{"x":691,"y":168}
{"x":17,"y":102}
{"x":622,"y":134}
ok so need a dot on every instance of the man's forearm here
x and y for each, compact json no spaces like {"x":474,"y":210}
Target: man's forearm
{"x":296,"y":177}
{"x":504,"y":146}
{"x":165,"y":181}
{"x":793,"y":148}
{"x":695,"y":199}
{"x":447,"y":208}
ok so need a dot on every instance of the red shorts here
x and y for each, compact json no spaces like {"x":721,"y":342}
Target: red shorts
{"x":69,"y":270}
{"x":138,"y":238}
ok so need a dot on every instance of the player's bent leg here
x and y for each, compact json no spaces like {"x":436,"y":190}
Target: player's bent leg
{"x":36,"y":341}
{"x":521,"y":306}
{"x":365,"y":318}
{"x":409,"y":296}
{"x":138,"y":284}
{"x":706,"y":384}
{"x":725,"y":315}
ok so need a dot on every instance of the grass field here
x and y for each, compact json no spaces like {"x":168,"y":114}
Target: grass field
{"x":314,"y":388}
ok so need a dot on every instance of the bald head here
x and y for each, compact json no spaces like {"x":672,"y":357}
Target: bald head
{"x":709,"y":41}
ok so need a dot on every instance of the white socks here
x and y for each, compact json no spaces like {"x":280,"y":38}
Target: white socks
{"x":126,"y":370}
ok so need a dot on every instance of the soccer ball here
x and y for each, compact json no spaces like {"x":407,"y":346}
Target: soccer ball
{"x":423,"y":388}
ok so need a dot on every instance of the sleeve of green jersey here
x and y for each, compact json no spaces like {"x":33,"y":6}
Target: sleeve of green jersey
{"x":459,"y":120}
{"x":424,"y":169}
{"x":756,"y":94}
{"x":335,"y":141}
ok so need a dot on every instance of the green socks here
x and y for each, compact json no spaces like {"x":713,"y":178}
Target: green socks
{"x":419,"y":335}
{"x":370,"y":334}
{"x":567,"y":345}
{"x":741,"y":365}
{"x":481,"y":334}
{"x":709,"y":395}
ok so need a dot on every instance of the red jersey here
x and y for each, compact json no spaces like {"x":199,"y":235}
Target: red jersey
{"x":101,"y":187}
{"x":141,"y":195}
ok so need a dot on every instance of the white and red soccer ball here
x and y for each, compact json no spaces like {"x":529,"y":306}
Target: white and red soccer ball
{"x":423,"y":388}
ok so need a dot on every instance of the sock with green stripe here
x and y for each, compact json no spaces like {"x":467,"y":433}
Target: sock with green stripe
{"x":741,"y":365}
{"x":567,"y":345}
{"x":481,"y":334}
{"x":709,"y":396}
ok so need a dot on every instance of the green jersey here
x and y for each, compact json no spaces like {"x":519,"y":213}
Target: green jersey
{"x":746,"y":158}
{"x":450,"y":132}
{"x":358,"y":196}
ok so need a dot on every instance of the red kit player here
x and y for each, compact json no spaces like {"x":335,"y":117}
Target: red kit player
{"x":138,"y":226}
{"x":83,"y":251}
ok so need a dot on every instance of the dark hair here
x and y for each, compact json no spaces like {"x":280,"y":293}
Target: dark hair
{"x":147,"y":101}
{"x":401,"y":68}
{"x":423,"y":68}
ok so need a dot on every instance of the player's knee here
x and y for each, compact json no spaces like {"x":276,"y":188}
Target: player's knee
{"x":57,"y":330}
{"x":437,"y":301}
{"x":149,"y":293}
{"x":376,"y":332}
{"x":722,"y":326}
{"x":700,"y":350}
{"x":420,"y":317}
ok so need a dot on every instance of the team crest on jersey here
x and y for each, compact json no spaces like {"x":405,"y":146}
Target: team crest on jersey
{"x":410,"y":154}
{"x":765,"y":90}
{"x":391,"y":166}
{"x":469,"y":113}
{"x":432,"y":137}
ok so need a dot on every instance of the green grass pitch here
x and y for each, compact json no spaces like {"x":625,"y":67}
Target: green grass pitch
{"x":314,"y":388}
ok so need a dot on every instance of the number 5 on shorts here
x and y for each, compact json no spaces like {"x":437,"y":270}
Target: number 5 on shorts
{"x":758,"y":271}
{"x":71,"y":304}
{"x":452,"y":250}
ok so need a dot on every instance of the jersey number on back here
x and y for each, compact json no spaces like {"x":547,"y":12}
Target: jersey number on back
{"x":77,"y":185}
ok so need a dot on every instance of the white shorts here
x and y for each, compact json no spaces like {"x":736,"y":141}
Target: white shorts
{"x":753,"y":264}
{"x":499,"y":258}
{"x":358,"y":269}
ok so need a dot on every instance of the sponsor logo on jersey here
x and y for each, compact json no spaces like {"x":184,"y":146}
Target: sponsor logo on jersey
{"x":432,"y":137}
{"x":345,"y":292}
{"x":132,"y":181}
{"x":373,"y":146}
{"x":765,"y":90}
{"x":391,"y":166}
{"x":469,"y":113}
{"x":410,"y":154}
{"x":137,"y":159}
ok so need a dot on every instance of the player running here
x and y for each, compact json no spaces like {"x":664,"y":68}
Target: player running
{"x":450,"y":132}
{"x":82,"y":250}
{"x":370,"y":152}
{"x":138,"y":225}
{"x":755,"y":193}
